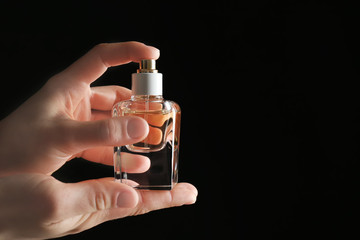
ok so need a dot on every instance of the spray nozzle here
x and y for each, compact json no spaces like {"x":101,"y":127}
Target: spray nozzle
{"x":147,"y":66}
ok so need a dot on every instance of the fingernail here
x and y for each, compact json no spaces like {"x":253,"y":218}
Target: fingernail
{"x":137,"y":127}
{"x":125,"y":200}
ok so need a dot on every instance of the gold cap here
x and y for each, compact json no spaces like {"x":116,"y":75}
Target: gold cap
{"x":147,"y":66}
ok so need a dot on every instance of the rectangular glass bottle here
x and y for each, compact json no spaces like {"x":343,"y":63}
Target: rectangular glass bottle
{"x":161,"y":145}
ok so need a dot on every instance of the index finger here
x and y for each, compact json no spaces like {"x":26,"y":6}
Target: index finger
{"x":94,"y":63}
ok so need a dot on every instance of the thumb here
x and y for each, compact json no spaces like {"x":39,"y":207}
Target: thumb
{"x":81,"y":135}
{"x":96,"y":195}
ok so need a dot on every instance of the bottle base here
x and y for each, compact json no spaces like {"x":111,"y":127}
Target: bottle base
{"x":153,"y":187}
{"x":147,"y":187}
{"x":162,"y":174}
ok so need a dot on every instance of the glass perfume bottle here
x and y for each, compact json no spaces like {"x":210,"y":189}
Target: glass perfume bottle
{"x":161,"y":145}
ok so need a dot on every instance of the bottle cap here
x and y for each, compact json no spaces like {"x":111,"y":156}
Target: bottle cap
{"x":147,"y":80}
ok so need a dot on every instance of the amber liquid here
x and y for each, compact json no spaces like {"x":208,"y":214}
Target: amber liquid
{"x":160,"y":128}
{"x":161,"y":146}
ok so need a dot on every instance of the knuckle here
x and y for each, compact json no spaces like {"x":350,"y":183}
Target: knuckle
{"x":112,"y":131}
{"x":100,"y":198}
{"x":100,"y":202}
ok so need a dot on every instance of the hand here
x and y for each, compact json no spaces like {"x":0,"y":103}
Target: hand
{"x":66,"y":119}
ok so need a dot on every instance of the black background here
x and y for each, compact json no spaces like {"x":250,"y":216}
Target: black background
{"x":269,"y":97}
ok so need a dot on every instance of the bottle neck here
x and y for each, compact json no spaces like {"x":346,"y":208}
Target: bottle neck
{"x":148,"y":98}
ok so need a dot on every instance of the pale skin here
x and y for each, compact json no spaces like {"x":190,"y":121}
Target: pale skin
{"x":65,"y":119}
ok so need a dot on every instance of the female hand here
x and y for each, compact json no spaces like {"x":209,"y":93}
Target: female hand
{"x":67,"y":118}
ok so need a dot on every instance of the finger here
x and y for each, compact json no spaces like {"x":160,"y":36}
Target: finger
{"x":181,"y":194}
{"x":102,"y":155}
{"x":103,"y":98}
{"x":77,"y":136}
{"x":93,"y":64}
{"x":132,"y":163}
{"x":103,"y":199}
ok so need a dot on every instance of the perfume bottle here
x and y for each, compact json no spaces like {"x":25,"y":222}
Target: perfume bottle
{"x":161,"y":145}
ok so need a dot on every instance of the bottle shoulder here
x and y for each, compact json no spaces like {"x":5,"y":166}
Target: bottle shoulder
{"x":132,"y":106}
{"x":174,"y":105}
{"x":123,"y":103}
